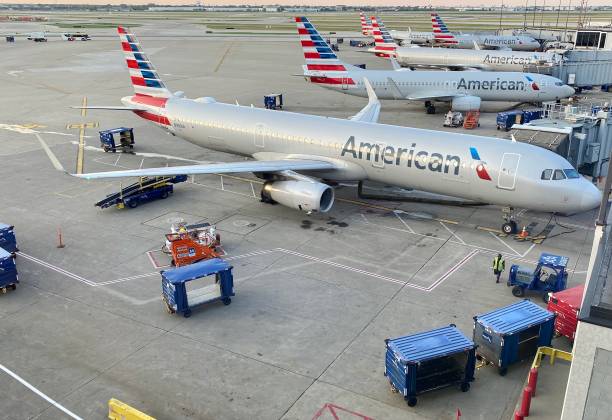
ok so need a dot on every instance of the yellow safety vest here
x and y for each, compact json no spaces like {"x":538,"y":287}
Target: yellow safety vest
{"x":499,"y":264}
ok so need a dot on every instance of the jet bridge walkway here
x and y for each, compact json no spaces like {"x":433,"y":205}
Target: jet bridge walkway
{"x":146,"y":189}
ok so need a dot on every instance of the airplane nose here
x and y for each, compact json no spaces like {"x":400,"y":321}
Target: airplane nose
{"x":570,"y":90}
{"x":590,"y":197}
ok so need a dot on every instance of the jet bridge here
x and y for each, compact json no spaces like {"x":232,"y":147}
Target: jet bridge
{"x":580,"y":133}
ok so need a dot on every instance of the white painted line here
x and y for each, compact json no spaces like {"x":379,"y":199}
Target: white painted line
{"x":453,"y":233}
{"x":57,"y":269}
{"x":54,"y":161}
{"x":508,"y":246}
{"x":528,"y":251}
{"x":221,"y":179}
{"x":396,"y":213}
{"x":453,"y":269}
{"x":253,"y":190}
{"x":117,"y":161}
{"x":39,"y":393}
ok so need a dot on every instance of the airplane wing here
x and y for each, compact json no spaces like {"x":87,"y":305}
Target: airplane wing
{"x":371,"y":111}
{"x":112,"y":108}
{"x":433,"y":96}
{"x":218,"y":168}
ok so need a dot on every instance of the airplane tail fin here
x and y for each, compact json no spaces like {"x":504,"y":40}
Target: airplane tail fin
{"x":366,"y":24}
{"x":145,"y":78}
{"x":384,"y":46}
{"x":441,"y":33}
{"x":322,"y":64}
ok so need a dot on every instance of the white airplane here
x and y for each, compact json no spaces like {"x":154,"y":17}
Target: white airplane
{"x":446,"y":38}
{"x":463,"y":89}
{"x":458,"y":59}
{"x":403,"y":37}
{"x":293,"y":152}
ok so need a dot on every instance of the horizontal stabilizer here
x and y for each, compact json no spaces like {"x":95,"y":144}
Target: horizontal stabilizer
{"x":218,"y":168}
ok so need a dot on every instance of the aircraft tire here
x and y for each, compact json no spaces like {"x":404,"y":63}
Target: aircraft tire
{"x":509,"y":228}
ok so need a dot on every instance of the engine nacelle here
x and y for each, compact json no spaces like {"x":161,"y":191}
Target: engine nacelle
{"x":466,"y":103}
{"x":301,"y":195}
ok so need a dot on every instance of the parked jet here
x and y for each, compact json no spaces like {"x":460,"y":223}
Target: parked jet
{"x":463,"y":89}
{"x":286,"y":146}
{"x":402,"y":37}
{"x":446,"y":38}
{"x":458,"y":59}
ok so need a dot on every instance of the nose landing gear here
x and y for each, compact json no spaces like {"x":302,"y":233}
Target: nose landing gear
{"x":510,"y":226}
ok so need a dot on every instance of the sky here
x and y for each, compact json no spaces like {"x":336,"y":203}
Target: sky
{"x":434,"y":3}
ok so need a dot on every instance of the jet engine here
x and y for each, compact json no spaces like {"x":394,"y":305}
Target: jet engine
{"x":307,"y":196}
{"x":466,"y":103}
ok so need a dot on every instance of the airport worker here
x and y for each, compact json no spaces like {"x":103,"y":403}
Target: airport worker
{"x":499,"y":266}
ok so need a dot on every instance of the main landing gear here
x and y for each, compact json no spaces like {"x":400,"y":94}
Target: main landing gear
{"x":510,"y":226}
{"x":429,"y":107}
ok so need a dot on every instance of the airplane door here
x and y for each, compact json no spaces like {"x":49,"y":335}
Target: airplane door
{"x":507,"y":171}
{"x":259,"y":136}
{"x":345,"y":83}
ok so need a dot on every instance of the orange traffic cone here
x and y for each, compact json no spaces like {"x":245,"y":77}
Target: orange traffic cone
{"x":523,"y":233}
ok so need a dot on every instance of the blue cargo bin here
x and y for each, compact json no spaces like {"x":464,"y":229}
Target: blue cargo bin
{"x":430,"y":360}
{"x":125,"y":139}
{"x":513,"y":333}
{"x":505,"y":120}
{"x":7,"y":238}
{"x":8,"y":271}
{"x":174,"y":285}
{"x":273,"y":101}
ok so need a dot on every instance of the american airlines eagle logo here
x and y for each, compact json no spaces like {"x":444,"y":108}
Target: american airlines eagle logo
{"x":534,"y":85}
{"x":481,"y":169}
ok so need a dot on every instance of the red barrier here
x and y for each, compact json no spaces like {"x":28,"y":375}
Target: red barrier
{"x":518,"y":415}
{"x":526,"y":401}
{"x":533,"y":380}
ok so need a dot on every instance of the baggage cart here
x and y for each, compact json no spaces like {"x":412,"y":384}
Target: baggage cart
{"x":273,"y":101}
{"x":125,"y":137}
{"x":146,"y":189}
{"x":192,"y":243}
{"x":505,"y":120}
{"x":10,"y":38}
{"x":550,"y":275}
{"x":430,"y":360}
{"x":513,"y":333}
{"x":8,"y":271}
{"x":566,"y":306}
{"x":178,"y":299}
{"x":7,"y":238}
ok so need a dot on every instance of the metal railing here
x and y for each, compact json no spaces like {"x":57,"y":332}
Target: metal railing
{"x":575,"y":112}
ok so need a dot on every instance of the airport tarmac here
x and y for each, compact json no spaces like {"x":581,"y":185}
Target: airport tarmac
{"x":316,"y":295}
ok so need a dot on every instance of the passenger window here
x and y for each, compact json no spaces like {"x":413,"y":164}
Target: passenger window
{"x":571,"y":173}
{"x":546,"y":174}
{"x":558,"y":175}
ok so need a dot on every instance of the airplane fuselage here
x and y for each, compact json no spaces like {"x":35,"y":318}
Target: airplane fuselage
{"x":490,"y":60}
{"x":488,"y":86}
{"x":478,"y":168}
{"x":514,"y":43}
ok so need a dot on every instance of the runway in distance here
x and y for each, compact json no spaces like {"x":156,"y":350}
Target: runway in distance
{"x":465,"y":90}
{"x":459,"y":59}
{"x":293,"y":152}
{"x":446,"y":38}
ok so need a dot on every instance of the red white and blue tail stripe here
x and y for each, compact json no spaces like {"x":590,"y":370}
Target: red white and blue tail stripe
{"x":322,"y":64}
{"x":366,"y":24}
{"x":384,"y":46}
{"x":441,"y":33}
{"x":144,"y":77}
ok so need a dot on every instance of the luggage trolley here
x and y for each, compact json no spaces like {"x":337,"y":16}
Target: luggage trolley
{"x":174,"y":286}
{"x":126,"y":140}
{"x":8,"y":272}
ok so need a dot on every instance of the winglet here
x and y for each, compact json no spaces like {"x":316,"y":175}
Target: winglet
{"x":396,"y":65}
{"x":371,"y":111}
{"x":476,"y":46}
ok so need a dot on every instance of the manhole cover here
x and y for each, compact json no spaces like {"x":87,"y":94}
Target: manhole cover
{"x":242,"y":223}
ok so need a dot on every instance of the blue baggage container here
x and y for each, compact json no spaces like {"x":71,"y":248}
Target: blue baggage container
{"x":174,"y":289}
{"x":430,"y":360}
{"x":7,"y":238}
{"x":505,"y":120}
{"x":531,"y":114}
{"x":513,"y":333}
{"x":8,"y":272}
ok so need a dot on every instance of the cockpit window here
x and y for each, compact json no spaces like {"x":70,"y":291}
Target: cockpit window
{"x":558,"y":83}
{"x":558,"y":175}
{"x":546,"y":174}
{"x":571,"y":173}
